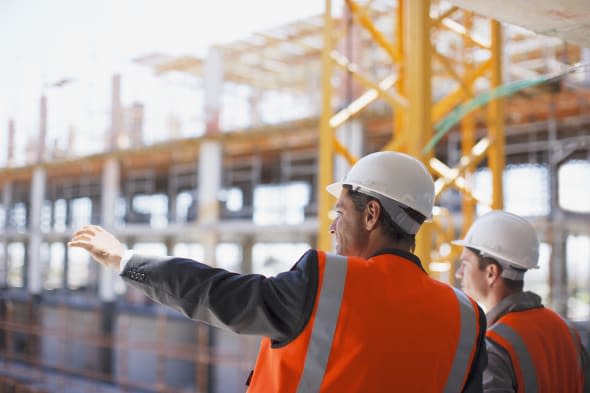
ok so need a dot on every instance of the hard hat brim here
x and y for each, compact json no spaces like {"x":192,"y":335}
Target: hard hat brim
{"x":335,"y":189}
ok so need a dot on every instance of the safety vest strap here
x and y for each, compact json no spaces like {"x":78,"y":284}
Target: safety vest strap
{"x":326,"y":319}
{"x":467,"y":343}
{"x":575,"y":339}
{"x":525,"y":361}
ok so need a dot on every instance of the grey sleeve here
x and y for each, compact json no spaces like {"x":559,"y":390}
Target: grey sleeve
{"x":585,"y":368}
{"x":498,"y":376}
{"x":277,"y":307}
{"x":474,"y":380}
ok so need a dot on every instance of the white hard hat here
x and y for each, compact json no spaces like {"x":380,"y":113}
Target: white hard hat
{"x":509,"y":239}
{"x":397,"y":181}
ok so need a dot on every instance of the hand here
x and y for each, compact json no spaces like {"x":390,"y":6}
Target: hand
{"x":102,"y":245}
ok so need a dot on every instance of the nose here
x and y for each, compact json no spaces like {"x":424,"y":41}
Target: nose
{"x":332,"y":228}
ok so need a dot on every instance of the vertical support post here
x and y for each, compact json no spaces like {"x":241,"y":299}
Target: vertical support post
{"x":496,"y":158}
{"x":10,"y":144}
{"x":418,"y":124}
{"x":351,"y":135}
{"x":213,"y":87}
{"x":33,"y":258}
{"x":210,"y":169}
{"x":136,"y":137}
{"x":558,"y":292}
{"x":326,"y":147}
{"x":399,"y":117}
{"x":116,"y":112}
{"x":106,"y":290}
{"x":34,"y":284}
{"x":247,"y":256}
{"x":42,"y":130}
{"x":110,"y":193}
{"x":467,"y":127}
{"x":6,"y":202}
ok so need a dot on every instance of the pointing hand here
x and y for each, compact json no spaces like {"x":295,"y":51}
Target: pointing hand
{"x":102,"y":245}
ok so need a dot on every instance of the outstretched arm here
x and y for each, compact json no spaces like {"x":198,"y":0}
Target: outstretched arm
{"x":277,"y":307}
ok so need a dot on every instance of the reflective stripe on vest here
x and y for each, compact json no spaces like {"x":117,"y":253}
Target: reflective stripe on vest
{"x":529,"y":373}
{"x":326,"y":318}
{"x":575,"y":339}
{"x":467,"y":343}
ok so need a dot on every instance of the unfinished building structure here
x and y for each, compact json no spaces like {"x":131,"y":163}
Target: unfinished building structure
{"x":405,"y":76}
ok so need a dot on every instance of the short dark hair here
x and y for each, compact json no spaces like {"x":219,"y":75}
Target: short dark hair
{"x":391,"y":229}
{"x":483,"y":262}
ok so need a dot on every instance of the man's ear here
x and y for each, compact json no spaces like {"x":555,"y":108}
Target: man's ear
{"x":372,"y":214}
{"x":493,"y":273}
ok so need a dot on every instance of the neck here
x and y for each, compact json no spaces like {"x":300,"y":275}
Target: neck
{"x":496,"y":294}
{"x":374,"y":246}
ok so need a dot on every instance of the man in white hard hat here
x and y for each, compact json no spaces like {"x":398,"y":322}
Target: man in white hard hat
{"x":366,"y":320}
{"x":530,"y":348}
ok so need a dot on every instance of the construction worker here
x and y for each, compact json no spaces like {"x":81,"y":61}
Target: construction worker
{"x":366,"y":320}
{"x":530,"y":348}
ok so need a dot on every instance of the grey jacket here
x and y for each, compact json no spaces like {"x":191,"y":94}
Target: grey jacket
{"x":499,"y":375}
{"x":276,"y":307}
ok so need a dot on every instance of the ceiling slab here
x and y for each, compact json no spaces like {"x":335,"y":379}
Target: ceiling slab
{"x":566,"y":19}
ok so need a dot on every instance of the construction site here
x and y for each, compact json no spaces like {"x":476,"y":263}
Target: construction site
{"x":493,"y":99}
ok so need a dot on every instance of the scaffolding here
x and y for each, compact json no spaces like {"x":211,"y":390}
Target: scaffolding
{"x":377,"y":76}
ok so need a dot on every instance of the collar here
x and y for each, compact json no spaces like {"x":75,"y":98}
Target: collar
{"x":400,"y":253}
{"x":519,"y":301}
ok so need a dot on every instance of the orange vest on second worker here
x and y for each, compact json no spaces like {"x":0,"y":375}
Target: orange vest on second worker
{"x":544,"y":350}
{"x":378,"y":325}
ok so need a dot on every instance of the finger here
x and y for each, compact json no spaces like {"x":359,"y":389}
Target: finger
{"x":81,"y":244}
{"x":97,"y":228}
{"x":85,"y":231}
{"x":82,"y":238}
{"x":86,"y":236}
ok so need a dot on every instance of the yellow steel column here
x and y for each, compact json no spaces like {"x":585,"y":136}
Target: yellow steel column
{"x":326,"y":147}
{"x":398,"y":116}
{"x":496,"y":159}
{"x":418,"y":124}
{"x":468,"y":126}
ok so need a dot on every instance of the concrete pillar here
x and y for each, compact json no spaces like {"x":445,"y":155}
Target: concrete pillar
{"x":106,"y":289}
{"x":172,"y":204}
{"x":116,"y":112}
{"x":34,"y":282}
{"x":6,"y":202}
{"x":66,"y":272}
{"x":213,"y":88}
{"x":210,"y":166}
{"x":136,"y":136}
{"x":557,"y":267}
{"x":558,"y":270}
{"x":42,"y":130}
{"x":351,"y":135}
{"x":247,"y":247}
{"x":10,"y":144}
{"x":110,"y":193}
{"x":254,"y":103}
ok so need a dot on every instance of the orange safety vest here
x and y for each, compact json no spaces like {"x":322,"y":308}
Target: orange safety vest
{"x":544,"y":350}
{"x":378,"y":325}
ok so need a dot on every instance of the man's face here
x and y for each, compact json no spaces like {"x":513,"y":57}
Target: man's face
{"x":473,"y":280}
{"x":348,"y":228}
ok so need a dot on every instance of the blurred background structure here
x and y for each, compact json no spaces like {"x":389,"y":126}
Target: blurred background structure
{"x":222,"y":155}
